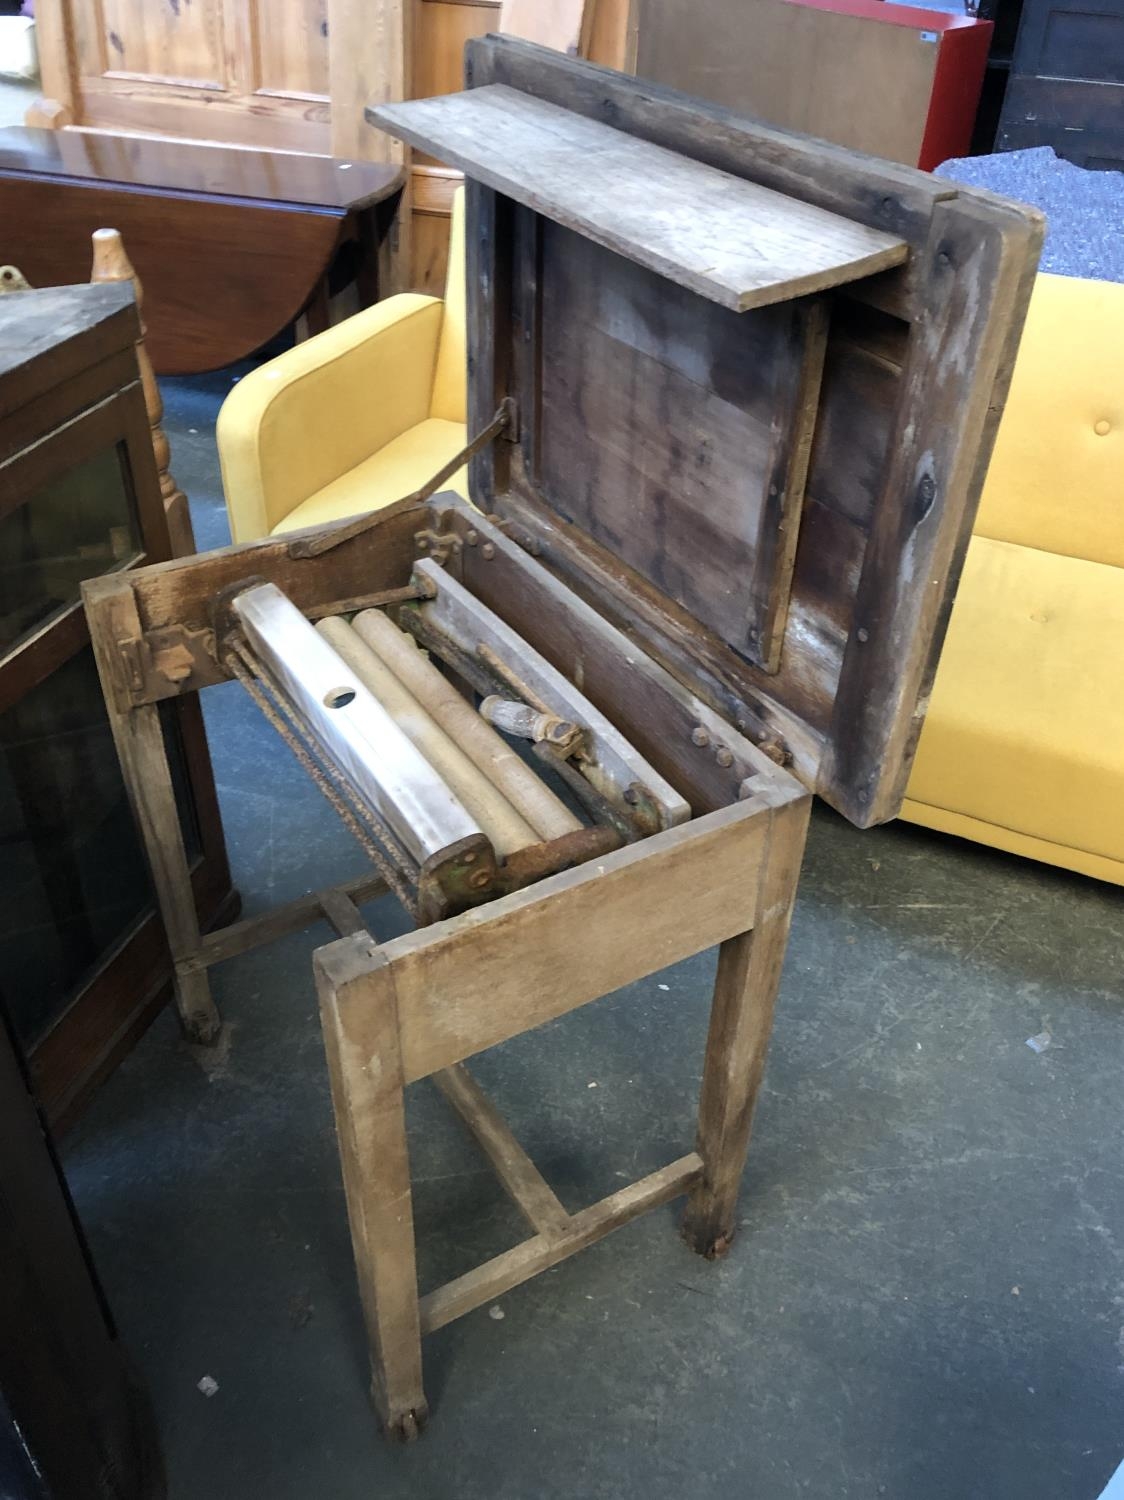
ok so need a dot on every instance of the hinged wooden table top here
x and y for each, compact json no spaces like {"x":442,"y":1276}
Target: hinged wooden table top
{"x":732,"y":241}
{"x":758,"y":379}
{"x":230,"y":244}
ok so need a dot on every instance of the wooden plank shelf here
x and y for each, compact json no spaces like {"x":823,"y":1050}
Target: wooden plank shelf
{"x":731,"y":241}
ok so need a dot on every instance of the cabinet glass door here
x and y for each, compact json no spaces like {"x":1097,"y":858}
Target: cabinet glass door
{"x":84,"y":962}
{"x":73,"y":880}
{"x":78,"y":524}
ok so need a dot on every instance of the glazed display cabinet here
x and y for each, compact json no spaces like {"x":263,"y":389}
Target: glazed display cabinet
{"x":83,"y":960}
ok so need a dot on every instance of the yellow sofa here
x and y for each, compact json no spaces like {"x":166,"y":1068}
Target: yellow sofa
{"x":1023,"y":746}
{"x":352,"y":419}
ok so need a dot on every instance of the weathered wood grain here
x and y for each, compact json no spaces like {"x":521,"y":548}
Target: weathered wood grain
{"x":111,"y":612}
{"x":342,"y":912}
{"x":293,"y":916}
{"x":858,"y":394}
{"x":535,"y":1198}
{"x":694,"y":425}
{"x":868,"y":189}
{"x":488,"y":246}
{"x":789,"y":714}
{"x":477,"y":979}
{"x":613,"y":766}
{"x":663,"y":715}
{"x":741,"y":1022}
{"x":978,"y":272}
{"x":358,"y":1014}
{"x":181,"y":592}
{"x":731,"y":241}
{"x":615,"y":373}
{"x":600,"y":452}
{"x":485,"y":1283}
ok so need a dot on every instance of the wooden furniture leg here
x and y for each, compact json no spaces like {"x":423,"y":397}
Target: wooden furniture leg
{"x":114,"y":623}
{"x":359,"y":1013}
{"x":367,"y":275}
{"x":741,"y":1020}
{"x":317,"y":315}
{"x":394,"y":248}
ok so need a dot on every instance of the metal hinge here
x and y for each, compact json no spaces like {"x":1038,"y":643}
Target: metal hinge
{"x":162,"y":663}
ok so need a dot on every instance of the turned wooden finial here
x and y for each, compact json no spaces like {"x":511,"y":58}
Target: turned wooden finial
{"x":48,"y":114}
{"x":111,"y":263}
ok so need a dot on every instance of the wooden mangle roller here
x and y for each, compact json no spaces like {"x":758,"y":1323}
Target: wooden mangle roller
{"x":731,"y":395}
{"x":450,"y":805}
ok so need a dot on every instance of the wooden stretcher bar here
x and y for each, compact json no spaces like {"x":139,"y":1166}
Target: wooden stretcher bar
{"x":551,"y":1245}
{"x":528,"y":1188}
{"x":254,"y":932}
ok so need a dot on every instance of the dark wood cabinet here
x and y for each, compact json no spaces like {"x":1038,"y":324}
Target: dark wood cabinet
{"x":74,"y":1424}
{"x":83,"y":962}
{"x":1066,"y":88}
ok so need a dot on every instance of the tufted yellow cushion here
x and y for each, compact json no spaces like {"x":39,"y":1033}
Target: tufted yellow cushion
{"x":1023,"y":746}
{"x":450,"y":381}
{"x":388,"y":475}
{"x":1056,"y":479}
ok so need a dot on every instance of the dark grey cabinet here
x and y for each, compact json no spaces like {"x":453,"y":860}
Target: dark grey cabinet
{"x":74,"y":1424}
{"x":1066,"y":88}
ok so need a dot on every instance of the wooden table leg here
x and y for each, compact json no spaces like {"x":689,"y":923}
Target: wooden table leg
{"x":741,"y":1019}
{"x":112,"y":615}
{"x":359,"y":1014}
{"x":394,"y":232}
{"x":368,"y":235}
{"x":317,"y":315}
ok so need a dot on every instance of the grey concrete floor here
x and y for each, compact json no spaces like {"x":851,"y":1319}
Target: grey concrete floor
{"x":926,"y":1297}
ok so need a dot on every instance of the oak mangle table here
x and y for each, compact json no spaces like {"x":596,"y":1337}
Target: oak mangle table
{"x":733,"y":393}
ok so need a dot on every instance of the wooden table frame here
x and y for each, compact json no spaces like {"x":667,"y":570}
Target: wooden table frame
{"x":914,"y":375}
{"x":513,"y":965}
{"x":418,"y":1006}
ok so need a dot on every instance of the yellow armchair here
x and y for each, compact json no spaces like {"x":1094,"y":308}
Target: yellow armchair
{"x":352,"y":419}
{"x":1023,"y":746}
